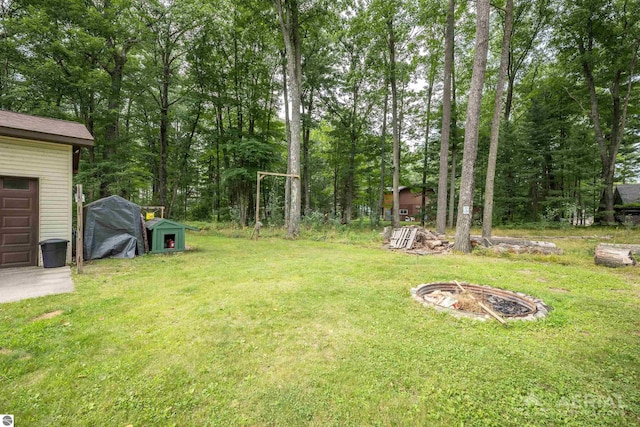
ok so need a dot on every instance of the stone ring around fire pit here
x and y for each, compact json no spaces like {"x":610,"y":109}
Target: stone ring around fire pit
{"x":448,"y":297}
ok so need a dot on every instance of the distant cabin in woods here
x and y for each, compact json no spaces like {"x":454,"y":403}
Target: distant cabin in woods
{"x":626,"y":199}
{"x":410,"y":203}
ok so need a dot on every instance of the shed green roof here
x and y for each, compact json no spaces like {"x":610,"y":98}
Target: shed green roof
{"x":163,"y":222}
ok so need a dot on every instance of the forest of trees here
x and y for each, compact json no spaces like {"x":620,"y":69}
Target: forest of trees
{"x":186,"y":101}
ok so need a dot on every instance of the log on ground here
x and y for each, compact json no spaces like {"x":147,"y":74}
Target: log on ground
{"x":613,"y":257}
{"x":635,"y":249}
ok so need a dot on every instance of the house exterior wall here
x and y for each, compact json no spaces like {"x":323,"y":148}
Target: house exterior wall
{"x":409,"y":202}
{"x":51,"y":165}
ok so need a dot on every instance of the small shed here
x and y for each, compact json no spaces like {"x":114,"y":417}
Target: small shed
{"x":38,"y":157}
{"x":626,"y":201}
{"x":113,"y":228}
{"x":165,"y":235}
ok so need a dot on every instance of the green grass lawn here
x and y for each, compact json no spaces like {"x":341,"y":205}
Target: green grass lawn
{"x":322,"y":332}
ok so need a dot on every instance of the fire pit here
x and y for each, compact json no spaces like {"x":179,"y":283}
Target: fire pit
{"x":476,"y":301}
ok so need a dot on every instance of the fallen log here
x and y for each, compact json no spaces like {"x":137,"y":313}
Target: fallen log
{"x":635,"y":249}
{"x":613,"y":257}
{"x":516,"y":249}
{"x":517,"y":245}
{"x":515,"y":241}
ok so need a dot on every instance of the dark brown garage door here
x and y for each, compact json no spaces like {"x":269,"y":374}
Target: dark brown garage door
{"x":18,"y":222}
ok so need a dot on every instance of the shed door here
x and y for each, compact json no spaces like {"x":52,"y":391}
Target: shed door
{"x":18,"y":222}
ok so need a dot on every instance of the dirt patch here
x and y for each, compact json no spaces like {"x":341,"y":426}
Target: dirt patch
{"x":49,"y":315}
{"x":23,"y":355}
{"x":561,"y":290}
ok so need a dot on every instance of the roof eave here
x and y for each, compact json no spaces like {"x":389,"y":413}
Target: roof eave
{"x":46,"y":137}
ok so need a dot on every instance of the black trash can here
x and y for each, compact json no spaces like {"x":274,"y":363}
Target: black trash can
{"x":54,"y":252}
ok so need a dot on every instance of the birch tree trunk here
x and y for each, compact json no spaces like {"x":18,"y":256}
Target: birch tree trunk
{"x":487,"y":213}
{"x":465,"y":204}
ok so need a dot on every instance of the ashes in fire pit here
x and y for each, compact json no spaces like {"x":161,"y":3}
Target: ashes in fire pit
{"x":478,"y":301}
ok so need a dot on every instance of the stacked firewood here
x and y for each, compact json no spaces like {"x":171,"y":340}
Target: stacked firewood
{"x":415,"y":239}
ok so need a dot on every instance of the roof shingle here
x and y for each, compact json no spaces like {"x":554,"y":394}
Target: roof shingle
{"x":629,"y":193}
{"x":44,"y":129}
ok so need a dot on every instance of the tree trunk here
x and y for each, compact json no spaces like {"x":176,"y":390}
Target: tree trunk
{"x":487,"y":213}
{"x":306,"y":136}
{"x":452,"y":182}
{"x":161,"y":197}
{"x":112,"y":129}
{"x":218,"y":173}
{"x":465,"y":204}
{"x":351,"y":173}
{"x":608,"y":144}
{"x":509,"y":101}
{"x":287,"y":126}
{"x":454,"y":149}
{"x":394,"y":124}
{"x":441,"y":215}
{"x":383,"y":143}
{"x":425,"y":163}
{"x":290,"y":31}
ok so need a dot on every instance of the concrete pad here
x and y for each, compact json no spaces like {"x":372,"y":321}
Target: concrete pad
{"x":30,"y":282}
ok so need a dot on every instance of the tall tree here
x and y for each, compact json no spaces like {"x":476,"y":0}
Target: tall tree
{"x":425,"y":160}
{"x":465,"y":204}
{"x":441,"y":214}
{"x":487,"y":213}
{"x":394,"y":122}
{"x":603,"y":37}
{"x":290,"y":27}
{"x":529,"y":20}
{"x":454,"y":144}
{"x":432,"y":43}
{"x":168,"y":27}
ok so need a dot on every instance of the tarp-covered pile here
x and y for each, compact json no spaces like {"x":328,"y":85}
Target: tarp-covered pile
{"x":113,"y":227}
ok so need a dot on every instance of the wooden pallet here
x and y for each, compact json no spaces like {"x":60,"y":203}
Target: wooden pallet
{"x":403,"y":238}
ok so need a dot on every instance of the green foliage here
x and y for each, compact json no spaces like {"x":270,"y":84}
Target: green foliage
{"x":184,"y":100}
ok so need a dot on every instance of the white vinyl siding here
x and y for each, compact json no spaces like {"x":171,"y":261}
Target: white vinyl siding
{"x":51,"y":164}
